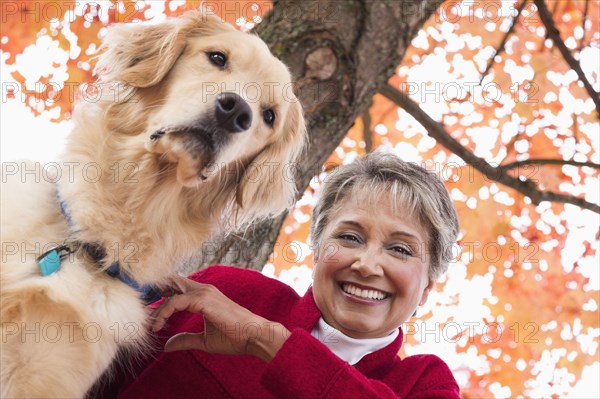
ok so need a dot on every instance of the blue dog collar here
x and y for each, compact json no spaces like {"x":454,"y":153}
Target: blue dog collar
{"x":148,"y":294}
{"x":49,"y":262}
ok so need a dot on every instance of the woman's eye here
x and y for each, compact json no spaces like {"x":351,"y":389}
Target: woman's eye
{"x":401,"y":250}
{"x":269,"y":117}
{"x":218,"y":58}
{"x":349,"y":238}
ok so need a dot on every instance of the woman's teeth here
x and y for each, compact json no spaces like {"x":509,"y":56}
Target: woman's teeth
{"x":367,"y":294}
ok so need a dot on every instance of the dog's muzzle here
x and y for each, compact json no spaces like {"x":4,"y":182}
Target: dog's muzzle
{"x":194,"y":147}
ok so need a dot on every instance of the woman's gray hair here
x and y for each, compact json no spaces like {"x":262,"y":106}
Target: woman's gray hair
{"x":408,"y":186}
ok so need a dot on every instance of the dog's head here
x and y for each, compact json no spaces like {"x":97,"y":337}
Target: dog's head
{"x":204,"y":99}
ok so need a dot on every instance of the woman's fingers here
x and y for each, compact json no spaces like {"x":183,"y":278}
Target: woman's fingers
{"x":183,"y":284}
{"x":176,"y":303}
{"x":177,"y":285}
{"x":195,"y":298}
{"x":229,"y":328}
{"x":185,"y":341}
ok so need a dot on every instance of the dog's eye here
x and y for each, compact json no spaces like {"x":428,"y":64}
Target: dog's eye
{"x":217,"y":58}
{"x":269,"y":117}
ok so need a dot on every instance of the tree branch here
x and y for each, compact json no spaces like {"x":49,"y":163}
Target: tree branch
{"x":500,"y":48}
{"x":367,"y":135}
{"x":554,"y":34}
{"x":583,"y":20}
{"x":547,"y":161}
{"x":437,"y":131}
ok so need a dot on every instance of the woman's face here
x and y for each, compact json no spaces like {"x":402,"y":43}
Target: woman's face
{"x":372,"y":267}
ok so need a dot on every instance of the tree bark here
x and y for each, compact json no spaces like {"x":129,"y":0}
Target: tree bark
{"x":340,"y":53}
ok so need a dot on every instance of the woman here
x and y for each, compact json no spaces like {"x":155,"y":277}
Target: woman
{"x":381,"y":233}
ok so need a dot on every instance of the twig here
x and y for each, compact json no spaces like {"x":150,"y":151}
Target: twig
{"x":367,"y":134}
{"x":546,"y":161}
{"x":500,"y":48}
{"x":583,"y":20}
{"x":438,"y":132}
{"x":554,"y":34}
{"x":547,"y":36}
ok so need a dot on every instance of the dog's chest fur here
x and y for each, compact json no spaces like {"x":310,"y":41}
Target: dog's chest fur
{"x":75,"y":309}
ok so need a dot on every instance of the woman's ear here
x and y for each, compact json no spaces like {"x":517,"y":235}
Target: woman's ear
{"x":315,"y":249}
{"x":426,"y":293}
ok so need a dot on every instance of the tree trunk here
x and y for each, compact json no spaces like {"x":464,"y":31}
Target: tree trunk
{"x":340,"y":53}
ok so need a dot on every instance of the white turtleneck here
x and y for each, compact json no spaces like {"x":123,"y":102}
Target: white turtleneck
{"x":348,"y":348}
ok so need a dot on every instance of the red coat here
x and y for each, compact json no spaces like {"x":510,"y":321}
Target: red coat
{"x":303,"y":367}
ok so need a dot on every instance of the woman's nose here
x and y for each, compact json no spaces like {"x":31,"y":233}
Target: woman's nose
{"x":369,"y":263}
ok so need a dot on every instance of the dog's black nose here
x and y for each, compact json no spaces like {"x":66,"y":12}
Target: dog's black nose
{"x":233,"y":113}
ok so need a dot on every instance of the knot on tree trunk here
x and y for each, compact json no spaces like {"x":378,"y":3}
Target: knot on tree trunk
{"x":321,"y":63}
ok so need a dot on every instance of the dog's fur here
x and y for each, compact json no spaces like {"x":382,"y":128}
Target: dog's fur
{"x":149,"y":175}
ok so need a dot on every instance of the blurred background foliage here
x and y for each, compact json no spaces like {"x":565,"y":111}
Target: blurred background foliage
{"x":517,"y":314}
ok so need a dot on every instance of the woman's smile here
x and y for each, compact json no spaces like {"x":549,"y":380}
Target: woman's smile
{"x":363,"y":294}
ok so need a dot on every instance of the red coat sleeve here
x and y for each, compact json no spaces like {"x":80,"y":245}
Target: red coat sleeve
{"x":305,"y":368}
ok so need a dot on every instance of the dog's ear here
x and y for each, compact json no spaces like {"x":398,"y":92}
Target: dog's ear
{"x":140,"y":55}
{"x":268,"y":186}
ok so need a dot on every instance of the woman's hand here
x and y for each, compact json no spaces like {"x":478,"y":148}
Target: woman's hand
{"x":228,"y":327}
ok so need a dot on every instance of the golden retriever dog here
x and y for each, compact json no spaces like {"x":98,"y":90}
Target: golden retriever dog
{"x":194,"y":134}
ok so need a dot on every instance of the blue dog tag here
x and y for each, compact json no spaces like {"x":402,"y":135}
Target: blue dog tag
{"x":49,"y":262}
